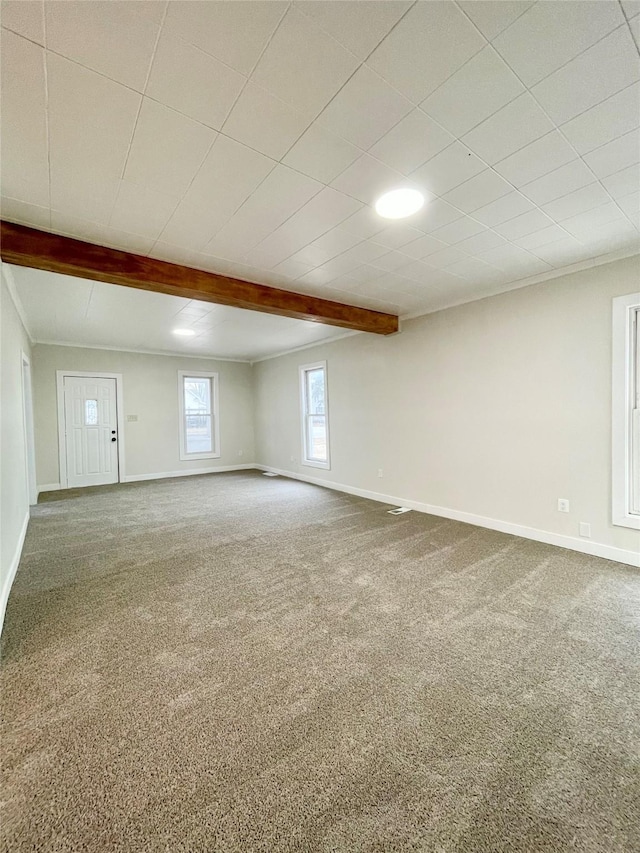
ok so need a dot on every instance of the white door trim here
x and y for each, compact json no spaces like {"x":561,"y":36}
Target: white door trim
{"x":62,"y":444}
{"x":29,"y":440}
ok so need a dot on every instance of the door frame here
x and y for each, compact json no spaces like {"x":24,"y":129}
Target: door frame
{"x":29,"y":435}
{"x":62,"y":444}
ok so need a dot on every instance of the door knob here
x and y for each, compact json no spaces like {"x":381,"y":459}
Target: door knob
{"x":113,"y":432}
{"x":114,"y":438}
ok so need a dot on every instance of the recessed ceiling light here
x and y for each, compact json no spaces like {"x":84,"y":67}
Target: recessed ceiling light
{"x":398,"y":204}
{"x":184,"y":332}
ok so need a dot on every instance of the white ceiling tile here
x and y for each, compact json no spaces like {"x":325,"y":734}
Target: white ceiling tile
{"x":391,"y":261}
{"x":205,"y":89}
{"x":193,"y":225}
{"x":303,"y":65}
{"x":511,"y":128}
{"x":586,"y":225}
{"x":491,"y":17}
{"x":531,"y":162}
{"x":610,"y":237}
{"x":264,"y":122}
{"x":478,"y":191}
{"x":320,"y":154}
{"x":548,"y":35}
{"x":367,"y":179}
{"x":481,"y":242}
{"x":102,"y":235}
{"x":292,"y":268}
{"x":396,"y":235}
{"x":526,"y":223}
{"x":25,"y":167}
{"x":604,"y":69}
{"x":605,"y":122}
{"x":229,"y":174}
{"x":422,"y":247}
{"x":433,"y":215}
{"x":364,"y":109}
{"x":459,"y":230}
{"x":278,"y":197}
{"x":630,"y":204}
{"x":631,"y":8}
{"x":475,"y":92}
{"x":472,"y":268}
{"x":235,"y":33}
{"x":359,"y":25}
{"x":448,"y":169}
{"x":365,"y":223}
{"x":26,"y":19}
{"x":416,"y":59}
{"x":445,"y":257}
{"x":87,"y":197}
{"x":578,"y":201}
{"x":27,"y":214}
{"x":171,"y":166}
{"x":615,"y":155}
{"x":331,"y":244}
{"x":507,"y":207}
{"x":412,"y":142}
{"x":141,"y":210}
{"x":561,"y":252}
{"x":561,"y":181}
{"x":533,"y":241}
{"x":624,"y":182}
{"x":115,"y":39}
{"x":509,"y":256}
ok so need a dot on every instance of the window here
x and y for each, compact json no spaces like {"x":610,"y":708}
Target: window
{"x":626,"y":411}
{"x":315,"y":424}
{"x":199,"y":427}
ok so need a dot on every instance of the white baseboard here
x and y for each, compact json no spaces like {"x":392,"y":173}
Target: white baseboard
{"x":49,"y":487}
{"x":13,"y":568}
{"x":165,"y":475}
{"x":584,"y":546}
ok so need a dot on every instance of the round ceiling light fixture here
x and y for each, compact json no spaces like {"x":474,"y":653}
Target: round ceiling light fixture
{"x":186,"y":333}
{"x":399,"y":204}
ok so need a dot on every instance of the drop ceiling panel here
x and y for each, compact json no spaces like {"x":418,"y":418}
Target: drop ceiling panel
{"x":252,"y":139}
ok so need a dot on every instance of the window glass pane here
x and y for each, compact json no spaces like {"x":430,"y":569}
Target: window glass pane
{"x":197,"y":414}
{"x":198,"y":433}
{"x":315,"y":385}
{"x":317,"y":443}
{"x":91,"y":412}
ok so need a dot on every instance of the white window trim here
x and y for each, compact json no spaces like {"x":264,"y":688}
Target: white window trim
{"x":624,"y":313}
{"x":312,"y":463}
{"x":215,"y":415}
{"x":62,"y":444}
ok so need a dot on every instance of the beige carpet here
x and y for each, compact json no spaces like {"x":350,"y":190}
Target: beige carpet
{"x":233,"y":663}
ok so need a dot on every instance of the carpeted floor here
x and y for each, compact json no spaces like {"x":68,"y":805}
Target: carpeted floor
{"x":237,"y":663}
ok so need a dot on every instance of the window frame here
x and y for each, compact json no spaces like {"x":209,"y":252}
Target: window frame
{"x":303,"y":370}
{"x":626,"y":316}
{"x":214,"y":453}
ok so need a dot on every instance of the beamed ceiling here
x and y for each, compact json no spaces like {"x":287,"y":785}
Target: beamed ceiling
{"x":250,"y":139}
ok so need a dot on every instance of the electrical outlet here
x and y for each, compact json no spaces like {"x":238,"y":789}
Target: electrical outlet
{"x":379,"y":472}
{"x":563,"y":505}
{"x":240,"y":452}
{"x":293,"y":458}
{"x":585,"y":529}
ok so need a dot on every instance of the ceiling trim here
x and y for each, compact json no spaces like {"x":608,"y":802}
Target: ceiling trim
{"x":29,"y":247}
{"x":167,"y":353}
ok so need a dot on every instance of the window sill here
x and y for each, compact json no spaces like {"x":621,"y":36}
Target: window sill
{"x":630,"y":521}
{"x":309,"y":463}
{"x":187,"y":457}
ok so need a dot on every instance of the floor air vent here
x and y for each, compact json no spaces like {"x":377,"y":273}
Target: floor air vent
{"x":399,"y":510}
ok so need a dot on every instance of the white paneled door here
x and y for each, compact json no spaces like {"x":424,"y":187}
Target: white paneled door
{"x":91,"y":430}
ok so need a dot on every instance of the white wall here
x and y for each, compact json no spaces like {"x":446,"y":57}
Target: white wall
{"x":14,"y":495}
{"x":150,"y":384}
{"x":495,"y":409}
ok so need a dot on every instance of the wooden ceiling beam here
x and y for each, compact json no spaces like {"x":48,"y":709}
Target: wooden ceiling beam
{"x":28,"y":247}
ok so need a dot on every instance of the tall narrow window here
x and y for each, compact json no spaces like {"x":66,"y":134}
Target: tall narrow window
{"x":199,"y":428}
{"x":626,"y":411}
{"x":315,"y":423}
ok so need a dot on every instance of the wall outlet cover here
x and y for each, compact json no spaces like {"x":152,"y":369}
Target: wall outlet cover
{"x":563,"y":505}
